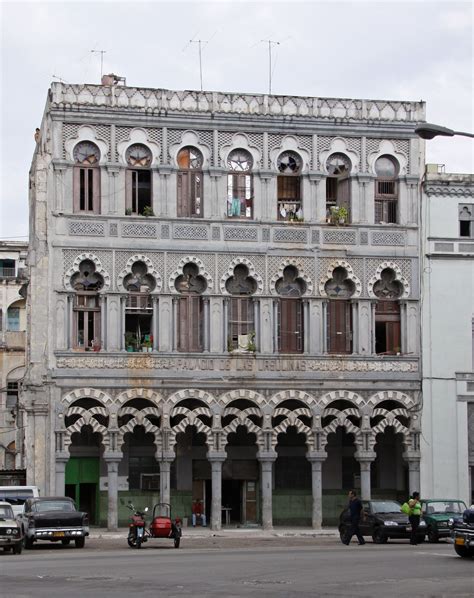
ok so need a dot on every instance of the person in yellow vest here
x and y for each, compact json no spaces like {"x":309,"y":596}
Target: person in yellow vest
{"x":415,"y":515}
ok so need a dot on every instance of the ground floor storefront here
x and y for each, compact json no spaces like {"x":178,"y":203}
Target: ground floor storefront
{"x":250,"y":459}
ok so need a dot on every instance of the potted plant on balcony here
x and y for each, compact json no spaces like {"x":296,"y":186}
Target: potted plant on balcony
{"x":130,"y":342}
{"x":339,"y":215}
{"x":148,"y":211}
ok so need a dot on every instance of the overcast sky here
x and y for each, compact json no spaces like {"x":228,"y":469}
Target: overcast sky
{"x":413,"y":50}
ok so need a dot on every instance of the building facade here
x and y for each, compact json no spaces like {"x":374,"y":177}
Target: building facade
{"x":224,"y":303}
{"x":12,"y":358}
{"x":447,"y":444}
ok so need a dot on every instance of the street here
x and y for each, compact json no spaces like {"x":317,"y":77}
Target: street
{"x":231,"y":567}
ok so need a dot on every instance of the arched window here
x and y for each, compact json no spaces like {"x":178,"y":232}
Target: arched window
{"x":289,"y":186}
{"x":388,"y":290}
{"x":190,"y":314}
{"x":386,"y":189}
{"x":139,"y":309}
{"x":86,"y":178}
{"x":87,"y":284}
{"x":338,"y":191}
{"x":240,"y":184}
{"x":189,"y":184}
{"x":339,"y":289}
{"x":241,"y":320}
{"x":290,"y":311}
{"x":138,"y":180}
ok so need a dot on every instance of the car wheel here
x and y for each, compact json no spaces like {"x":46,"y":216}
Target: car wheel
{"x":177,"y":542}
{"x":343,"y":535}
{"x":420,"y":539}
{"x":29,"y":542}
{"x":463,"y":552}
{"x":65,"y":542}
{"x":432,"y":535}
{"x":80,"y":542}
{"x":17,"y":548}
{"x":379,"y":537}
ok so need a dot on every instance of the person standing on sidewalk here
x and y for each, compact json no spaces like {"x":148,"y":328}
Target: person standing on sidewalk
{"x":414,"y":517}
{"x":355,"y":513}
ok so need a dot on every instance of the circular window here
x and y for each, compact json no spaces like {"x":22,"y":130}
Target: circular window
{"x":338,"y":165}
{"x":86,"y":153}
{"x":138,"y":155}
{"x":240,"y":160}
{"x":189,"y":158}
{"x":289,"y":163}
{"x":386,"y":167}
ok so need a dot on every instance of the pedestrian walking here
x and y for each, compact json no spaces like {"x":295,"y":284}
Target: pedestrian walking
{"x":414,"y":516}
{"x":355,"y":514}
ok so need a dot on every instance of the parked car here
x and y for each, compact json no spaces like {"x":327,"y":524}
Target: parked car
{"x":383,"y":520}
{"x":437,"y":514}
{"x":463,"y":533}
{"x":54,"y":519}
{"x":11,"y":537}
{"x":16,"y":496}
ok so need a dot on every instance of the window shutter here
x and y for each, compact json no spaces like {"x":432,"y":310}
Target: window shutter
{"x":340,"y":327}
{"x":183,"y":193}
{"x":96,"y":199}
{"x":344,"y":194}
{"x":290,"y":326}
{"x":76,"y":189}
{"x":128,"y":189}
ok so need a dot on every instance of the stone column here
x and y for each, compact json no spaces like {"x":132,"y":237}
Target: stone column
{"x":216,"y":459}
{"x":165,"y":469}
{"x":112,"y":460}
{"x":154,"y":329}
{"x":365,"y":460}
{"x":316,"y":459}
{"x":413,"y":472}
{"x":60,"y":472}
{"x":267,"y":458}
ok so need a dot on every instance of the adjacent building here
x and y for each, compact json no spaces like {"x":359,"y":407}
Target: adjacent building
{"x":447,"y":442}
{"x":225,"y":302}
{"x":12,"y":358}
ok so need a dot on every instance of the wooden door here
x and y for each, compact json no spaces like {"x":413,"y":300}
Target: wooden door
{"x":249,"y":496}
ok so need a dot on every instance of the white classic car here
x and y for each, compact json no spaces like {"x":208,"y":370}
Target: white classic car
{"x":11,"y":537}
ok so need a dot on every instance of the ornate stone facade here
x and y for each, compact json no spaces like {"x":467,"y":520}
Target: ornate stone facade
{"x":222,"y":403}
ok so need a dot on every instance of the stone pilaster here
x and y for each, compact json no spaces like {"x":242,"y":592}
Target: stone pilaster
{"x":216,"y":459}
{"x":266,"y":459}
{"x":112,"y":461}
{"x":365,"y":459}
{"x":316,"y":458}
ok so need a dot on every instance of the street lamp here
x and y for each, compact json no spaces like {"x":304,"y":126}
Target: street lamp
{"x":427,"y":131}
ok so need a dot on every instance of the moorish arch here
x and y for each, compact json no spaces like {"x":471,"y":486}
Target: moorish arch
{"x":402,"y":398}
{"x":252,"y":273}
{"x":75,"y":269}
{"x":338,"y":395}
{"x":242,"y":393}
{"x":191,"y":259}
{"x":191,"y":393}
{"x":80,"y":393}
{"x":139,"y":393}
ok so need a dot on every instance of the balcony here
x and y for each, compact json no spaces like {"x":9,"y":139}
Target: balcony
{"x":13,"y":340}
{"x":6,"y":272}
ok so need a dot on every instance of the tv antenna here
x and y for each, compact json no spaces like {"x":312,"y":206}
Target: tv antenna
{"x":199,"y":42}
{"x":59,"y":78}
{"x":101,"y":52}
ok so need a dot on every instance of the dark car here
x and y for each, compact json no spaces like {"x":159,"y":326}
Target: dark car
{"x":437,"y":514}
{"x":382,"y":520}
{"x":54,"y":519}
{"x":462,"y":533}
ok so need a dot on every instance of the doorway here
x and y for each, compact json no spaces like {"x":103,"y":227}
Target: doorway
{"x":232,"y":499}
{"x":82,"y":483}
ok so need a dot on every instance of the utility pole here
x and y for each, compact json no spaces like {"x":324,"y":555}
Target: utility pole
{"x":275,"y":43}
{"x":200,"y":42}
{"x":101,"y":52}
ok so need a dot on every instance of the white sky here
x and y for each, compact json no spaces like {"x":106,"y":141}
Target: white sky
{"x":407,"y":50}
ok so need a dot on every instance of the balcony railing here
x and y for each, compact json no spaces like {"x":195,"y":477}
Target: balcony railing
{"x":7,"y":272}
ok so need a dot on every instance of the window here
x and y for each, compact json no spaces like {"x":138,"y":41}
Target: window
{"x":86,"y":178}
{"x":86,"y":308}
{"x":339,"y":168}
{"x":339,"y":315}
{"x":189,"y":183}
{"x":13,"y":319}
{"x":290,"y":311}
{"x":466,"y":220}
{"x":289,"y":185}
{"x":240,"y":184}
{"x":7,"y":268}
{"x":12,"y":395}
{"x":387,"y":313}
{"x":241,"y":322}
{"x":386,"y":189}
{"x":138,"y":180}
{"x":190,"y":285}
{"x":139,"y":309}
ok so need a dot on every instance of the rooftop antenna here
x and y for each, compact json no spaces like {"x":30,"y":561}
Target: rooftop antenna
{"x":200,"y":42}
{"x":101,"y":52}
{"x":59,"y":78}
{"x":270,"y":42}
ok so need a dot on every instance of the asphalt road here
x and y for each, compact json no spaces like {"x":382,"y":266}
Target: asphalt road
{"x":273,"y":568}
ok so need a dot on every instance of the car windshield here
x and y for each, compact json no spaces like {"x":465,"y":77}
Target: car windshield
{"x":385,"y":506}
{"x":6,"y":512}
{"x":15,"y":497}
{"x":54,"y":505}
{"x":441,"y":507}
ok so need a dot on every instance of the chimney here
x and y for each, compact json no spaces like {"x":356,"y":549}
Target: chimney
{"x":112,"y":80}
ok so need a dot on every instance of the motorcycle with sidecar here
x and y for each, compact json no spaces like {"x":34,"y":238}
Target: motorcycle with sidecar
{"x":162,"y":526}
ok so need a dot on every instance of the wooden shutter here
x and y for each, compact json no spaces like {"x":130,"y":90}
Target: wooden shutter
{"x":190,"y":323}
{"x":96,"y":199}
{"x":339,"y":327}
{"x":128,"y":189}
{"x":344,"y":194}
{"x":183,"y":194}
{"x":290,"y":326}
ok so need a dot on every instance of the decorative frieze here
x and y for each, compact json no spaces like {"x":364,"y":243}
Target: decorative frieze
{"x":86,"y":229}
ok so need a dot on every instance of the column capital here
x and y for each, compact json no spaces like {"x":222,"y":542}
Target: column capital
{"x":113,"y":457}
{"x":267,"y":456}
{"x":61,"y":457}
{"x":216,"y":456}
{"x":365,"y":456}
{"x":316,"y":456}
{"x":165,"y":456}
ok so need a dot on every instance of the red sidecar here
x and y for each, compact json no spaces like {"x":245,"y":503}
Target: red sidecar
{"x":162,"y":526}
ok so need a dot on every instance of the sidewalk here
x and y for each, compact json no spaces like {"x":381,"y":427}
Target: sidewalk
{"x":230,"y":532}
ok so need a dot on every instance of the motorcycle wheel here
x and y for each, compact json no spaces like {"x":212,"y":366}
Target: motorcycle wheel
{"x":132,"y":542}
{"x":138,"y":543}
{"x":177,"y":542}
